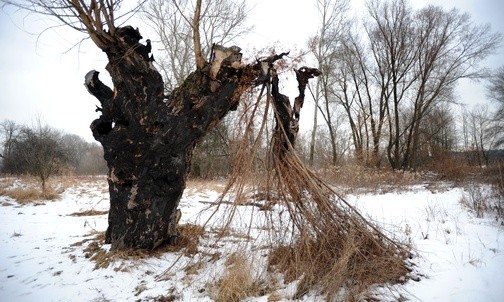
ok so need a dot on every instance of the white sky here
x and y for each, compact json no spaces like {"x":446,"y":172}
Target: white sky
{"x":39,"y":79}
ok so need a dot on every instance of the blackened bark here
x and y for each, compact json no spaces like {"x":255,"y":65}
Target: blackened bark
{"x":287,"y":117}
{"x":148,"y":138}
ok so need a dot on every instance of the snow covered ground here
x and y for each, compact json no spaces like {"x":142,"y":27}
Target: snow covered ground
{"x":43,"y":249}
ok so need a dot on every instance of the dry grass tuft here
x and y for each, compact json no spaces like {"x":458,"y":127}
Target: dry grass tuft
{"x":95,"y":252}
{"x":27,"y":190}
{"x":89,"y":213}
{"x":188,"y":241}
{"x":338,"y":261}
{"x":238,"y":281}
{"x":25,"y":195}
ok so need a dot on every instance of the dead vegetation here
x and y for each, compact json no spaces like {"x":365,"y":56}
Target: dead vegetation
{"x":353,"y":178}
{"x":187,"y":245}
{"x":238,"y":280}
{"x":26,"y":190}
{"x":25,"y":195}
{"x":334,"y":247}
{"x":484,"y":191}
{"x":325,"y":245}
{"x":88,"y":213}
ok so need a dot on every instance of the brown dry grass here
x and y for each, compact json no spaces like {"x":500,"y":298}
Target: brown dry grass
{"x":187,"y":244}
{"x":352,"y":178}
{"x":26,"y":189}
{"x":88,"y":213}
{"x":25,"y":195}
{"x":189,"y":237}
{"x":327,"y":244}
{"x":204,"y":185}
{"x":353,"y":262}
{"x":238,"y":281}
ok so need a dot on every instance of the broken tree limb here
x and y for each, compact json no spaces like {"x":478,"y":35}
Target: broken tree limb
{"x":287,"y":117}
{"x":303,"y":74}
{"x":104,"y":95}
{"x":96,"y":87}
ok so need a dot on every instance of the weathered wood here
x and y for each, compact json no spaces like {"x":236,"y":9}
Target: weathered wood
{"x":287,"y":117}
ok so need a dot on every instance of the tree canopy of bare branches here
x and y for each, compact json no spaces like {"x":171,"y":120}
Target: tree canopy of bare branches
{"x":219,"y":22}
{"x":405,"y":66}
{"x":495,"y":90}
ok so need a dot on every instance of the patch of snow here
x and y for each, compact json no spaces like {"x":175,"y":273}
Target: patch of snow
{"x":459,"y":257}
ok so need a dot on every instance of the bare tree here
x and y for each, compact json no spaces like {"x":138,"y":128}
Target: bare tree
{"x":450,"y":47}
{"x":75,"y":148}
{"x":482,"y":133}
{"x":9,"y":133}
{"x":437,"y":134}
{"x":324,"y":46}
{"x":391,"y":37}
{"x":416,"y":60}
{"x":92,"y":162}
{"x":220,"y":22}
{"x":38,"y":152}
{"x":495,"y":91}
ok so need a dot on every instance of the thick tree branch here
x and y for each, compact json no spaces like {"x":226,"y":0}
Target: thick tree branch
{"x":200,"y":60}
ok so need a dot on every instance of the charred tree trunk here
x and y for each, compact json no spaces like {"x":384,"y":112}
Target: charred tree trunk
{"x":148,"y":137}
{"x":287,"y":117}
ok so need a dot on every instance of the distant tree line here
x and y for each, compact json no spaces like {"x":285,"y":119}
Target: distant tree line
{"x":42,"y":151}
{"x":387,"y":90}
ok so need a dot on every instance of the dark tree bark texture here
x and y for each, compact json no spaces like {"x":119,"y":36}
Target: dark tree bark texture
{"x":148,"y":137}
{"x":287,"y":117}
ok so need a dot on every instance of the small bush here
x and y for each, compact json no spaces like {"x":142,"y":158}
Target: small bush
{"x":476,"y":201}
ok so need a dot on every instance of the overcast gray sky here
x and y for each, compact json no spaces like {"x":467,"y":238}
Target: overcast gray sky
{"x":38,"y":79}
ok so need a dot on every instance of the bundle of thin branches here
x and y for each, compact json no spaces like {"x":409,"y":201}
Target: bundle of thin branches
{"x":331,"y":247}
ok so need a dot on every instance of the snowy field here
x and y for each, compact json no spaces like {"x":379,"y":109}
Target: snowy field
{"x":458,"y":256}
